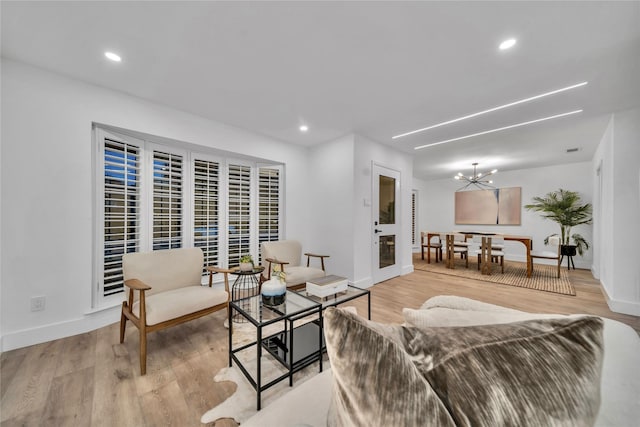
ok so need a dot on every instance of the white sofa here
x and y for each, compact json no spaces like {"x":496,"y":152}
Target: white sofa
{"x":308,"y":403}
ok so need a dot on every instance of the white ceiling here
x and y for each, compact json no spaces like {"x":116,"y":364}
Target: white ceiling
{"x":374,"y":68}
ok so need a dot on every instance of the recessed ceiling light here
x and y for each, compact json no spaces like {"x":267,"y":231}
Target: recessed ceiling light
{"x":499,"y":129}
{"x":490,"y":110}
{"x":303,"y":128}
{"x":112,"y":56}
{"x":508,"y":43}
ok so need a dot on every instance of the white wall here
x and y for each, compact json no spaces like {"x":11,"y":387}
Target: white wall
{"x":331,"y":214}
{"x":341,"y":222}
{"x":619,"y":213}
{"x":436,"y":205}
{"x":47,"y":190}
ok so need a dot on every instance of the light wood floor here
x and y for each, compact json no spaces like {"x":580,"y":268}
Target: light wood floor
{"x":92,"y":379}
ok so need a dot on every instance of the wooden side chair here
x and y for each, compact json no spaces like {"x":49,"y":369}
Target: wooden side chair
{"x":164,"y":289}
{"x":554,"y":242}
{"x":452,"y":248}
{"x":497,"y":251}
{"x":434,"y":245}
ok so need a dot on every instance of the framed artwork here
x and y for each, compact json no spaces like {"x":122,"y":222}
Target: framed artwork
{"x":501,"y":206}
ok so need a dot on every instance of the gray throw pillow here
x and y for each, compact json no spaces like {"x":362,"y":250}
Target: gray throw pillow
{"x":530,"y":373}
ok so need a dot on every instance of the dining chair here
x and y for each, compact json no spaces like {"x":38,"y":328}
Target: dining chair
{"x":554,"y":242}
{"x":437,"y":245}
{"x":453,"y":247}
{"x":497,"y":255}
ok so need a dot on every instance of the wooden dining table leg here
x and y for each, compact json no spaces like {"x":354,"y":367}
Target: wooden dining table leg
{"x":485,"y":256}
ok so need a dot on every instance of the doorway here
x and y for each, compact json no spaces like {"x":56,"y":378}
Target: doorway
{"x":386,"y":223}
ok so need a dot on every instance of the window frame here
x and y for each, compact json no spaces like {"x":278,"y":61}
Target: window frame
{"x":190,"y":153}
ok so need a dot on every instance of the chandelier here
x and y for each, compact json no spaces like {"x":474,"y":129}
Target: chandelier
{"x":478,"y":179}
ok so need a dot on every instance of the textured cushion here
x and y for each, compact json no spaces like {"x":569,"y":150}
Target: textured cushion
{"x":374,"y":380}
{"x":164,"y":270}
{"x":178,"y":302}
{"x":440,"y":316}
{"x":541,"y":372}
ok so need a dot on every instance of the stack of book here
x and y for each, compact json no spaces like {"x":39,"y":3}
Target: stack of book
{"x":327,"y":285}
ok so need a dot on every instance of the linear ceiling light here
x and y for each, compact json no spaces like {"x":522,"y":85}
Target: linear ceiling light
{"x":511,"y":104}
{"x":499,"y":129}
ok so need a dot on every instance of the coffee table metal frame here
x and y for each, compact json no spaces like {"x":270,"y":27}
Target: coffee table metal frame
{"x":295,"y":308}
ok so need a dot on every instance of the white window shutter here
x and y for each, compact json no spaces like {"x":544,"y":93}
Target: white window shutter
{"x":121,"y":214}
{"x":167,"y":200}
{"x":239,"y":213}
{"x":268,"y":205}
{"x":206,"y":206}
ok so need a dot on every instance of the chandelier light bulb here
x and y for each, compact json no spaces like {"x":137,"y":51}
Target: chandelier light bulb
{"x":477,"y":178}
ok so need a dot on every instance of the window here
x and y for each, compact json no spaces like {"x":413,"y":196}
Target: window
{"x":121,"y":208}
{"x":167,"y":200}
{"x":206,"y":205}
{"x":239,"y":213}
{"x":268,"y":205}
{"x":155,"y":196}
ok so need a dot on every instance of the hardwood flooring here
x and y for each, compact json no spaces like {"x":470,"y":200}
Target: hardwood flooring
{"x":93,"y":380}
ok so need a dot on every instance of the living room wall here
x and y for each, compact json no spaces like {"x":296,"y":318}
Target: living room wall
{"x":436,"y":205}
{"x":616,"y":205}
{"x":47,"y":192}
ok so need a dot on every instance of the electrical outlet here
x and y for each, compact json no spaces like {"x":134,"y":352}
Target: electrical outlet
{"x":37,"y":303}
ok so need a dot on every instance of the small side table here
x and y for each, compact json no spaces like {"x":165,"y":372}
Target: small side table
{"x":246,"y":285}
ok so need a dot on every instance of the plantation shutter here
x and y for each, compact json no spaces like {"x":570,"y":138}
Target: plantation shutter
{"x":121,"y":214}
{"x":206,"y":220}
{"x":268,"y":206}
{"x":414,"y":226}
{"x":239,"y":207}
{"x":167,"y":200}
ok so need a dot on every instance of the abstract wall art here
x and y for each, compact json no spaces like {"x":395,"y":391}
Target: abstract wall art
{"x":501,"y":206}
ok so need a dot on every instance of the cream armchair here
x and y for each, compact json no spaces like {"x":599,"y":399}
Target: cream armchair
{"x":288,"y":254}
{"x":164,"y":290}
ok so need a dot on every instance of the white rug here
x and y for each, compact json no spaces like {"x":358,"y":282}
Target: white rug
{"x":241,"y":405}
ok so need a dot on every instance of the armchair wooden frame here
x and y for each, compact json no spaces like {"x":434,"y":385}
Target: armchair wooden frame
{"x":283,"y":263}
{"x":140,"y":322}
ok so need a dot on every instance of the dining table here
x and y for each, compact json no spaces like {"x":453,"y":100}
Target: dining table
{"x":525,"y":240}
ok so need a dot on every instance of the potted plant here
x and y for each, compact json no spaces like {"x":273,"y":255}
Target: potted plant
{"x":566,"y":208}
{"x":246,"y":263}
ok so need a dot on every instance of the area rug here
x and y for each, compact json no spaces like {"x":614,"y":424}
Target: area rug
{"x":544,"y":277}
{"x":241,"y":405}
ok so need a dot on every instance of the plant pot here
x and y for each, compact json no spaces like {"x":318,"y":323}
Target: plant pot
{"x":568,"y":250}
{"x":246,"y":266}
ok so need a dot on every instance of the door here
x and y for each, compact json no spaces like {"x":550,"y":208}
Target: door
{"x":386,"y":223}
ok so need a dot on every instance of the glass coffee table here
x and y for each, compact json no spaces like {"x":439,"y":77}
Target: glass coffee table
{"x":295,"y":347}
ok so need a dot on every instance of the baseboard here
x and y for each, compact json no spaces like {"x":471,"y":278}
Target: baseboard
{"x":367,"y":282}
{"x":620,"y":306}
{"x":54,"y":331}
{"x":406,"y":269}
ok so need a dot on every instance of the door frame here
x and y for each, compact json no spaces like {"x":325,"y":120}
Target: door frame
{"x":381,"y":274}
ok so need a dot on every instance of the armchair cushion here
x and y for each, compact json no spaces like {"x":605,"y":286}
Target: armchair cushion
{"x":179,"y":302}
{"x":297,"y":275}
{"x":283,"y":250}
{"x":164,"y":270}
